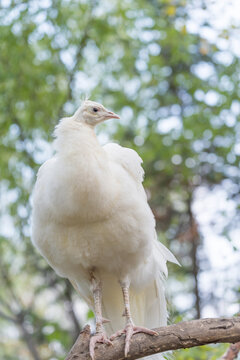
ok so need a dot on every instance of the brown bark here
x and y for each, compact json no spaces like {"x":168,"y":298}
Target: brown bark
{"x":194,"y":253}
{"x":194,"y":250}
{"x":182,"y":335}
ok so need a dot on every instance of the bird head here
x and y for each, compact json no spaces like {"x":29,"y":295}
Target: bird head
{"x":92,"y":113}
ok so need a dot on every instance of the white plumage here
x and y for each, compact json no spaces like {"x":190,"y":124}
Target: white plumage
{"x":92,"y":223}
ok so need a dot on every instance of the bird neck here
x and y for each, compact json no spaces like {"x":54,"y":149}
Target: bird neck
{"x":76,"y":139}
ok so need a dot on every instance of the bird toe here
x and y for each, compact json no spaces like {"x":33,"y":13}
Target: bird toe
{"x":97,"y":338}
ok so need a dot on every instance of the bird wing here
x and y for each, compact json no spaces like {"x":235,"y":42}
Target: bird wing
{"x":127,"y":158}
{"x":45,"y":167}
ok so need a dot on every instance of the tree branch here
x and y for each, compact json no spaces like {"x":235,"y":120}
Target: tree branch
{"x":194,"y":256}
{"x":29,"y":340}
{"x":17,"y":316}
{"x":7,"y":317}
{"x":70,"y":309}
{"x":182,"y":335}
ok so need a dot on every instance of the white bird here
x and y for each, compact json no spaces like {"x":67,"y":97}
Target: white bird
{"x":92,"y":223}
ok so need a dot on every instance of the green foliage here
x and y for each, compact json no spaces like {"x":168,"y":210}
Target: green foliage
{"x":212,"y":352}
{"x":178,"y":98}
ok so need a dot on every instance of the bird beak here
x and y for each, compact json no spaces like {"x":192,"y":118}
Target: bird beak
{"x":111,"y":115}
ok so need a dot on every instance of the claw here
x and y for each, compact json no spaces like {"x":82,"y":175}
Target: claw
{"x":118,"y":333}
{"x":97,"y":338}
{"x":104,"y":321}
{"x":139,"y":329}
{"x":130,"y":330}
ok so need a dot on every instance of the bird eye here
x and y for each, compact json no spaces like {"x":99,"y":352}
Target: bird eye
{"x":95,"y":109}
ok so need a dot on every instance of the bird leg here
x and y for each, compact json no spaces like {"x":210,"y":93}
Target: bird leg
{"x":130,"y":329}
{"x":100,"y":335}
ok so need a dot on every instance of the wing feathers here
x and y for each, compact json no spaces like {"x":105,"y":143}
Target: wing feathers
{"x":128,"y":158}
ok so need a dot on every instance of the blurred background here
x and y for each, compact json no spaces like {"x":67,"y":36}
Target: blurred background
{"x":171,"y":69}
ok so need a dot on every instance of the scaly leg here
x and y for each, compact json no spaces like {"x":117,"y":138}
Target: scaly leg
{"x":100,"y":335}
{"x":130,"y":329}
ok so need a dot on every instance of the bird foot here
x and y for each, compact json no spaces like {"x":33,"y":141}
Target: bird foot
{"x":100,"y":337}
{"x":130,"y":330}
